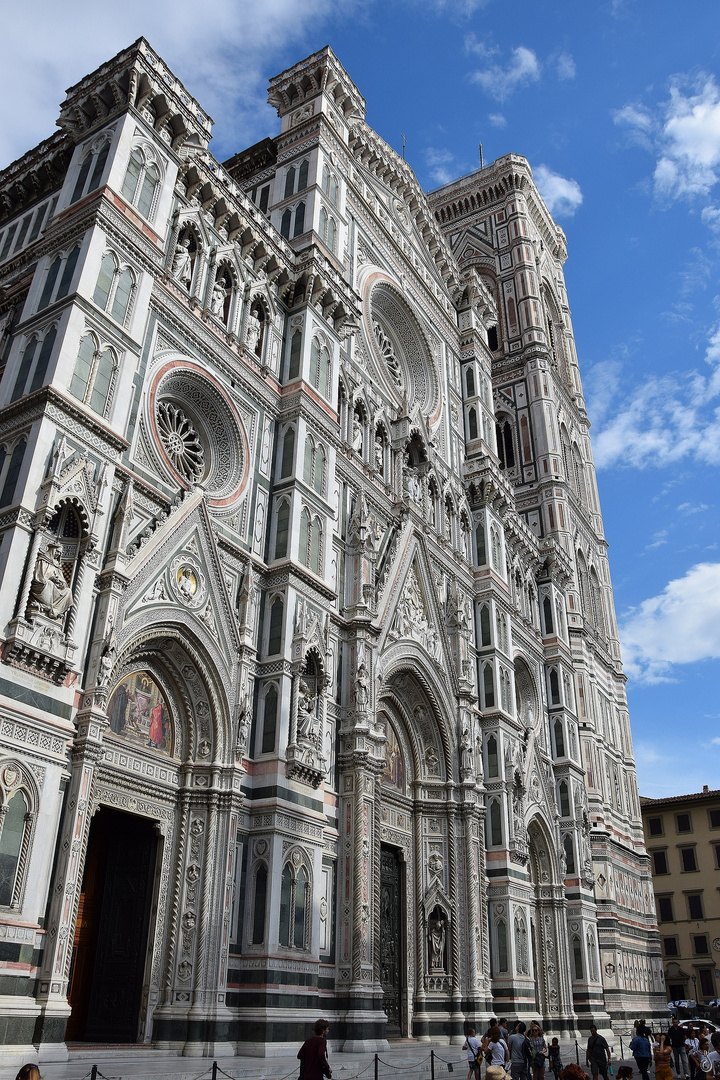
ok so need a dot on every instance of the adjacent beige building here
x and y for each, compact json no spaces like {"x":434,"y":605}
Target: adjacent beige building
{"x":683,"y":839}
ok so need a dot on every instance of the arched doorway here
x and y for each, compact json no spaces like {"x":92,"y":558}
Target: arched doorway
{"x":548,"y":931}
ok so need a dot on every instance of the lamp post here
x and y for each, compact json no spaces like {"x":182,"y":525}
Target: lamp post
{"x":694,"y":979}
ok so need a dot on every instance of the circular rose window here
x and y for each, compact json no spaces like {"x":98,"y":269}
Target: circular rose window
{"x":401,"y":347}
{"x":200,"y":434}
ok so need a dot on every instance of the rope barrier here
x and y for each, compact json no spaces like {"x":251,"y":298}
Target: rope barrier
{"x":414,"y":1065}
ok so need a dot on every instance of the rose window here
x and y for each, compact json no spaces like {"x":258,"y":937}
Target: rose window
{"x":181,"y":441}
{"x":387,"y":351}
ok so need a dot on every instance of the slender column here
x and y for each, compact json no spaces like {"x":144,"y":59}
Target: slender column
{"x":457,"y":1037}
{"x":421,"y":1020}
{"x":29,"y":571}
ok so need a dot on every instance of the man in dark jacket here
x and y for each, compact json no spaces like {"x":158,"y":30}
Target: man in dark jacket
{"x":675,"y":1038}
{"x":597,"y":1054}
{"x":313,"y":1054}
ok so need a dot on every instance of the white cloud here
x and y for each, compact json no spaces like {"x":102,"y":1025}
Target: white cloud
{"x":679,"y":626}
{"x":660,"y":421}
{"x":684,"y":135}
{"x":566,"y":66}
{"x":439,"y":162}
{"x":661,"y":774}
{"x":501,"y":81}
{"x":223,"y":51}
{"x":562,"y":196}
{"x":497,"y":120}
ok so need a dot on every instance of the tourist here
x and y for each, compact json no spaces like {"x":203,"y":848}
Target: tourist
{"x":597,"y":1054}
{"x":472,"y":1045}
{"x":502,"y":1024}
{"x":573,"y":1072}
{"x":641,"y":1050}
{"x":554,"y":1059}
{"x":624,"y":1072}
{"x":662,"y":1055}
{"x":675,"y":1038}
{"x":537,"y":1039}
{"x":495,"y":1048}
{"x":313,"y":1053}
{"x":517,"y":1045}
{"x":692,"y":1048}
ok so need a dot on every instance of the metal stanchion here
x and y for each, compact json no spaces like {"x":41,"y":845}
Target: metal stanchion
{"x":376,"y":1067}
{"x":432,"y":1065}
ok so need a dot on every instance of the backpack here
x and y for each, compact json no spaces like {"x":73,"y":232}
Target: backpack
{"x":528,"y":1051}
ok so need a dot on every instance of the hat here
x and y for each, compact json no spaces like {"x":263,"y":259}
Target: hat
{"x":495,"y":1072}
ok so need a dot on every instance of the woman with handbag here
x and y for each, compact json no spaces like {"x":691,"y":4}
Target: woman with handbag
{"x":537,"y":1040}
{"x":313,"y":1054}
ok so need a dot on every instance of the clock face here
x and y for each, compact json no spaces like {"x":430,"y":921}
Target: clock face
{"x":716,"y":944}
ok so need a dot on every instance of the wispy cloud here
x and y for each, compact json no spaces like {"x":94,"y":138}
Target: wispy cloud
{"x":497,"y":120}
{"x":501,"y":80}
{"x":686,"y":613}
{"x":662,"y":773}
{"x":562,"y":196}
{"x":565,"y":66}
{"x":683,"y":133}
{"x":441,"y":164}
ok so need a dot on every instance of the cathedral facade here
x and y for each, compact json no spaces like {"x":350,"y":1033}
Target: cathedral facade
{"x":311,"y":699}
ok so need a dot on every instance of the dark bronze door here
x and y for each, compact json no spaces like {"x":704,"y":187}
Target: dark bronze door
{"x":391,"y":938}
{"x":123,"y":893}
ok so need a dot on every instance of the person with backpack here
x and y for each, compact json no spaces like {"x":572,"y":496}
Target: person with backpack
{"x":517,"y":1045}
{"x":474,"y":1053}
{"x":642,"y":1051}
{"x":313,"y":1054}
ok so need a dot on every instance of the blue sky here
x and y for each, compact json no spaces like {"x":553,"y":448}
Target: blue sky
{"x":617,"y":106}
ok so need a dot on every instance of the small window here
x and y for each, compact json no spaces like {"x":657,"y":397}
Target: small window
{"x":559,"y":739}
{"x":577,"y":958}
{"x":480,"y":544}
{"x":472,"y":424}
{"x":569,"y":855}
{"x":660,"y":864}
{"x":564,"y":799}
{"x":264,"y":199}
{"x":261,"y":877}
{"x":716,"y":848}
{"x":495,"y":824}
{"x":11,"y":845}
{"x":43,"y":359}
{"x":281,"y":530}
{"x":695,"y":906}
{"x":11,"y":479}
{"x":714,"y":819}
{"x":706,"y":983}
{"x":299,"y":219}
{"x":285,"y":224}
{"x":81,"y":179}
{"x":547,"y":615}
{"x":269,"y":721}
{"x":684,"y":823}
{"x":655,"y":826}
{"x":68,"y":273}
{"x":289,"y":183}
{"x":689,"y":861}
{"x":295,"y":354}
{"x":502,"y":942}
{"x":665,"y":909}
{"x":492,"y":337}
{"x":49,"y":286}
{"x":23,"y":371}
{"x":276,"y":622}
{"x":485,"y":626}
{"x":488,"y":687}
{"x":123,"y":293}
{"x":470,"y":382}
{"x":303,"y":175}
{"x":554,"y":688}
{"x":670,"y":946}
{"x":141,"y":182}
{"x":288,"y":453}
{"x":492,"y":756}
{"x":700,"y":944}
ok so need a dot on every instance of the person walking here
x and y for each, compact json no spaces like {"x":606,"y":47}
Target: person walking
{"x":517,"y":1045}
{"x":641,"y":1050}
{"x":597,"y":1054}
{"x":537,"y":1040}
{"x":472,"y":1045}
{"x":675,"y":1039}
{"x":313,"y":1054}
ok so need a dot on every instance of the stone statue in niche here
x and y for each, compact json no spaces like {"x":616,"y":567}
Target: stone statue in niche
{"x":362,"y":692}
{"x":253,"y":332}
{"x":436,"y":940}
{"x":50,"y":593}
{"x":379,"y":454}
{"x":466,"y":754}
{"x":182,"y":263}
{"x":357,"y":433}
{"x":217,"y":302}
{"x":413,"y":487}
{"x":107,"y":658}
{"x":307,"y":715}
